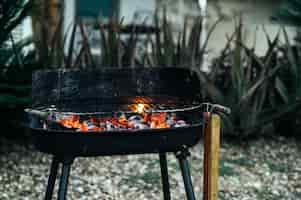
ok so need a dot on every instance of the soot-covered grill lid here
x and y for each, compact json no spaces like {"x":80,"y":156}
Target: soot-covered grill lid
{"x":96,"y":89}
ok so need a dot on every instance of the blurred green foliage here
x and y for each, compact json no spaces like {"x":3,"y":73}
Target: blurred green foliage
{"x":289,"y":13}
{"x":249,"y":84}
{"x":16,"y":64}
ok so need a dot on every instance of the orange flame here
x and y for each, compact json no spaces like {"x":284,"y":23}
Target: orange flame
{"x":71,"y":121}
{"x":141,"y":104}
{"x":158,"y":120}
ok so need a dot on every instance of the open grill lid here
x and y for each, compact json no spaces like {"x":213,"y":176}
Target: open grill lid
{"x":109,"y":89}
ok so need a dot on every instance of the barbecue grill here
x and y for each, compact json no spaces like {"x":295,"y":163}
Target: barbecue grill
{"x":104,"y":92}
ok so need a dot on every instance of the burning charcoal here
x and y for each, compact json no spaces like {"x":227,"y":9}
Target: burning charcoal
{"x":137,"y":118}
{"x":119,"y":123}
{"x":131,"y":124}
{"x":137,"y":122}
{"x":109,"y":126}
{"x":158,"y":120}
{"x":83,"y":127}
{"x":139,"y":125}
{"x":170,"y":122}
{"x":90,"y":126}
{"x":102,"y":125}
{"x":171,"y":116}
{"x":159,"y":125}
{"x":122,"y":120}
{"x":171,"y":119}
{"x":70,"y":121}
{"x":180,"y":123}
{"x":94,"y":120}
{"x":160,"y":117}
{"x":147,"y":116}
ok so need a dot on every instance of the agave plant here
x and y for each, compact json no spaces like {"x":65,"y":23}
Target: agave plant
{"x":12,"y":14}
{"x":249,"y":84}
{"x":16,"y":64}
{"x":289,"y":13}
{"x":184,"y":49}
{"x":288,"y":113}
{"x":110,"y":48}
{"x":13,"y":58}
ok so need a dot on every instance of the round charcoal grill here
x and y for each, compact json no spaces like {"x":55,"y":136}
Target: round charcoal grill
{"x":111,"y":91}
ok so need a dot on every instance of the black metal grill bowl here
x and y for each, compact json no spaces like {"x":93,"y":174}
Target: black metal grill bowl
{"x":109,"y":88}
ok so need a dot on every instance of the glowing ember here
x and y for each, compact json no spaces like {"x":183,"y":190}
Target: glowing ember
{"x":123,"y":122}
{"x":140,"y":104}
{"x":71,"y":122}
{"x":139,"y":119}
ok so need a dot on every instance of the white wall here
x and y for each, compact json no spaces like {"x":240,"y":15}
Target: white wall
{"x":141,"y":8}
{"x":69,"y":19}
{"x":27,"y":28}
{"x":255,"y":15}
{"x":180,"y":10}
{"x":69,"y":14}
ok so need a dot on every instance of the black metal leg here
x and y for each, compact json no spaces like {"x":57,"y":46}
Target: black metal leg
{"x":164,"y":176}
{"x":64,"y":180}
{"x":182,"y":157}
{"x":52,"y":178}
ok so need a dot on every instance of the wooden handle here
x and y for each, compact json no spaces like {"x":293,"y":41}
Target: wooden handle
{"x":211,"y":156}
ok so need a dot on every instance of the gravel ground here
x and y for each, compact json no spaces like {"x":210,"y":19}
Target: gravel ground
{"x":261,"y":169}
